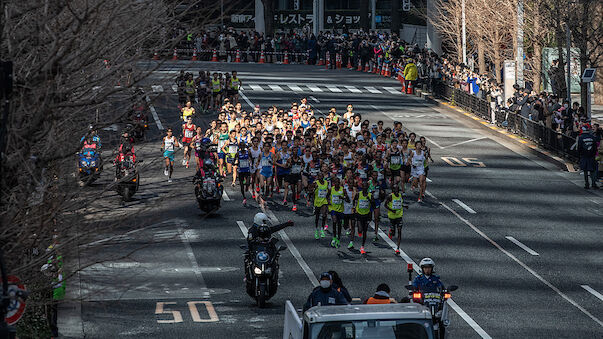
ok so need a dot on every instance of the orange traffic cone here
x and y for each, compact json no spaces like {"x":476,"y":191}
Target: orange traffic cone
{"x":359,"y":69}
{"x":399,"y":77}
{"x":214,"y":57}
{"x":238,"y":56}
{"x":350,"y":63}
{"x":175,"y":55}
{"x":262,"y":58}
{"x":156,"y":56}
{"x":286,"y":60}
{"x":382,"y":70}
{"x":403,"y":81}
{"x":388,"y":73}
{"x":194,"y":54}
{"x":337,"y":61}
{"x":328,"y":61}
{"x":409,"y":88}
{"x":366,"y":68}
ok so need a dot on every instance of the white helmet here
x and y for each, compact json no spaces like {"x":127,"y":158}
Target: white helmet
{"x":260,"y":219}
{"x":427,"y":262}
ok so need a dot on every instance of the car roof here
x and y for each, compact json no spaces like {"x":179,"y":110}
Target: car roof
{"x":318,"y":314}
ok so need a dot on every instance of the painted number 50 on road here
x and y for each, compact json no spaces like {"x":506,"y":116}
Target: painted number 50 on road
{"x":192,"y":307}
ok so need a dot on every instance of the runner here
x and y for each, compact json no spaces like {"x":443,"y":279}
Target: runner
{"x":417,"y":172}
{"x":188,"y":130}
{"x":321,"y":190}
{"x":235,"y":85}
{"x":405,"y":152}
{"x":167,"y":147}
{"x":283,"y":168}
{"x":197,"y":143}
{"x":336,"y":199}
{"x":294,"y":178}
{"x":216,"y":87}
{"x":394,"y":161}
{"x":267,"y":160}
{"x":376,"y":189}
{"x":349,"y":222}
{"x":394,"y":205}
{"x":231,"y":148}
{"x":243,"y":166}
{"x":222,"y":140}
{"x":363,"y":202}
{"x":255,"y":150}
{"x":187,"y":111}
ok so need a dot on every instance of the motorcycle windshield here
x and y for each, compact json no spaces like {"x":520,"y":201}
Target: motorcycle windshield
{"x":373,"y":329}
{"x":262,"y":253}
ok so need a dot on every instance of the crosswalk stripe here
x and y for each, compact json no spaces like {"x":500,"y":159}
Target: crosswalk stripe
{"x":372,"y":89}
{"x":333,"y":89}
{"x":295,"y":88}
{"x":256,"y":87}
{"x":276,"y":88}
{"x":392,"y":90}
{"x":352,"y":89}
{"x":314,"y":88}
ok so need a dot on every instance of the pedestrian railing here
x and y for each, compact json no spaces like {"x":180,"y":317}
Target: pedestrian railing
{"x":514,"y":122}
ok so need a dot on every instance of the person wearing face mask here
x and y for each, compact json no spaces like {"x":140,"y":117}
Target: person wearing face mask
{"x":325,"y":294}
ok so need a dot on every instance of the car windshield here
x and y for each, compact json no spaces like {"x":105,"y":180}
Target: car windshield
{"x":374,"y":329}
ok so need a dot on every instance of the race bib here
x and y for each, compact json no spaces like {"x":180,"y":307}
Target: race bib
{"x":416,"y":162}
{"x":380,"y":176}
{"x":295,"y":169}
{"x":362,"y":174}
{"x":397,"y":204}
{"x":243,"y":163}
{"x":188,"y":133}
{"x":265,"y":162}
{"x":395,"y":160}
{"x":364,"y":204}
{"x":322,"y":193}
{"x":233,"y":149}
{"x":336,"y":199}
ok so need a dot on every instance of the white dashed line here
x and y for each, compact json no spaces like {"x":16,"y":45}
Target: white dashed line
{"x":392,"y":90}
{"x":256,"y":87}
{"x":243,"y":228}
{"x":225,"y":196}
{"x":592,"y":291}
{"x":295,"y":88}
{"x":352,"y":89}
{"x":246,"y":100}
{"x":315,"y":100}
{"x":276,"y":88}
{"x":333,"y":89}
{"x":314,"y":88}
{"x":154,"y":113}
{"x":524,"y":247}
{"x":372,"y":89}
{"x":463,"y":205}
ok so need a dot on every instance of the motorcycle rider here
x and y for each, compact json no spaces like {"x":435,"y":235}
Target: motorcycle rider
{"x":126,"y":150}
{"x":427,"y":282}
{"x":93,"y":133}
{"x":324,"y":294}
{"x":207,"y":160}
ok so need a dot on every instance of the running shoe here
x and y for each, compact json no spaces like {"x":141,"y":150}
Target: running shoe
{"x":257,"y":189}
{"x":169,"y":180}
{"x":294,"y":209}
{"x":419,"y":200}
{"x":183,"y":162}
{"x":333,"y":242}
{"x":337,"y":242}
{"x":322,"y":233}
{"x":326,"y":227}
{"x":166,"y":172}
{"x":348,"y":232}
{"x":351,"y":245}
{"x":390,"y":234}
{"x":316,"y":235}
{"x":397,"y":251}
{"x":253,"y":196}
{"x":362,"y":251}
{"x":376,"y":239}
{"x":360,"y":234}
{"x":285,"y":202}
{"x":245,"y":202}
{"x":187,"y":162}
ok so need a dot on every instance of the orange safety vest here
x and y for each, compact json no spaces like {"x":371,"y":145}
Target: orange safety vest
{"x":373,"y":300}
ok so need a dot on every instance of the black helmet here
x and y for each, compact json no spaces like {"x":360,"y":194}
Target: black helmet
{"x":264,"y":232}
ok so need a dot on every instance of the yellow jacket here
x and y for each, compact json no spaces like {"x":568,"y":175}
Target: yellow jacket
{"x":410,"y":72}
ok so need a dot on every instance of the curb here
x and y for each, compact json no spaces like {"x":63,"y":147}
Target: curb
{"x":563,"y":164}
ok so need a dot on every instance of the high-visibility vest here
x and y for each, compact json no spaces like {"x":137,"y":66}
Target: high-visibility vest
{"x":395,"y":204}
{"x":363,"y":205}
{"x":336,"y":201}
{"x":234,"y":83}
{"x":320,"y":194}
{"x":215,"y":86}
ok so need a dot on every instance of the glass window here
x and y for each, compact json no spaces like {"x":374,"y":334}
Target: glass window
{"x":373,"y":329}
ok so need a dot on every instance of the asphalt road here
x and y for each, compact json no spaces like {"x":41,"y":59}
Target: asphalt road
{"x":519,"y":236}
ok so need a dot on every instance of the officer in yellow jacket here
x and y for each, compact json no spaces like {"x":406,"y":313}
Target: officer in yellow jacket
{"x":410,"y":76}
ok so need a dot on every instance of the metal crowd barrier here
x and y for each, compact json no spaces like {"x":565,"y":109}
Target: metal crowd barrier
{"x":514,"y":122}
{"x":228,"y":55}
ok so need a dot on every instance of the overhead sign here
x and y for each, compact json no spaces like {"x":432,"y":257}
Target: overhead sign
{"x":16,"y":307}
{"x":406,"y":5}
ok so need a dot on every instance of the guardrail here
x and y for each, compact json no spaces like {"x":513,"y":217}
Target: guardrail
{"x":514,"y":122}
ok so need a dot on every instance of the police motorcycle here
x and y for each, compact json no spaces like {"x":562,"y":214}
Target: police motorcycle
{"x":89,"y":162}
{"x":261,"y":260}
{"x":434,"y":301}
{"x":127,"y":177}
{"x":139,"y":122}
{"x":208,"y":184}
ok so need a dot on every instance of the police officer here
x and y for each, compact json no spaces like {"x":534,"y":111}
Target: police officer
{"x":587,"y":150}
{"x":427,"y":282}
{"x":325,"y":294}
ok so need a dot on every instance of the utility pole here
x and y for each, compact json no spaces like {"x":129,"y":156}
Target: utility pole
{"x":519,"y":59}
{"x":568,"y":58}
{"x":222,"y":14}
{"x":464,"y":29}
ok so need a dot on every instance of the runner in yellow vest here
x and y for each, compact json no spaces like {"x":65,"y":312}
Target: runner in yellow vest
{"x":321,"y":191}
{"x":336,"y":199}
{"x":216,"y":87}
{"x":235,"y":85}
{"x":363,"y":203}
{"x":394,"y":205}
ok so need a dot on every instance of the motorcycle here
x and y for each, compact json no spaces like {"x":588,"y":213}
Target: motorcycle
{"x":437,"y":304}
{"x":208,"y":188}
{"x":261,"y":271}
{"x":89,"y":165}
{"x":139,"y":125}
{"x":127,"y":178}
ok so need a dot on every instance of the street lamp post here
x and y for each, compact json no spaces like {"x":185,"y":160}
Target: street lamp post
{"x":519,"y":59}
{"x":464,"y":32}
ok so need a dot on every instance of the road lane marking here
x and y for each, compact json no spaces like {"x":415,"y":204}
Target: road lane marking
{"x":526,"y":267}
{"x":154,"y":113}
{"x":300,"y":260}
{"x":276,"y":88}
{"x":463,"y":205}
{"x":592,"y":291}
{"x":333,"y":89}
{"x":428,"y":180}
{"x":243,"y":228}
{"x":225,"y":196}
{"x":316,"y":100}
{"x":372,"y":89}
{"x":352,"y":89}
{"x":476,"y":327}
{"x":295,"y":88}
{"x":392,"y":90}
{"x":314,"y":88}
{"x":433,"y":142}
{"x":464,"y":142}
{"x":256,"y":87}
{"x":191,"y":257}
{"x":524,"y":247}
{"x":246,"y":100}
{"x":211,"y":311}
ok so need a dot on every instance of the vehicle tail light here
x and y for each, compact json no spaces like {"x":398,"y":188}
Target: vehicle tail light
{"x":447,"y":295}
{"x":416,"y":295}
{"x":134,"y":179}
{"x":409,"y":268}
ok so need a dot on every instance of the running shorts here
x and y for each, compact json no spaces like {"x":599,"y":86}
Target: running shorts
{"x":363,"y":217}
{"x":221,"y":155}
{"x":293,"y":178}
{"x":406,"y":169}
{"x":396,"y":223}
{"x":169,"y":155}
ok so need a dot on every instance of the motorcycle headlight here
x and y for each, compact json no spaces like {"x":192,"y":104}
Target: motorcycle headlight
{"x":257,"y":270}
{"x":84,"y":163}
{"x":92,"y":163}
